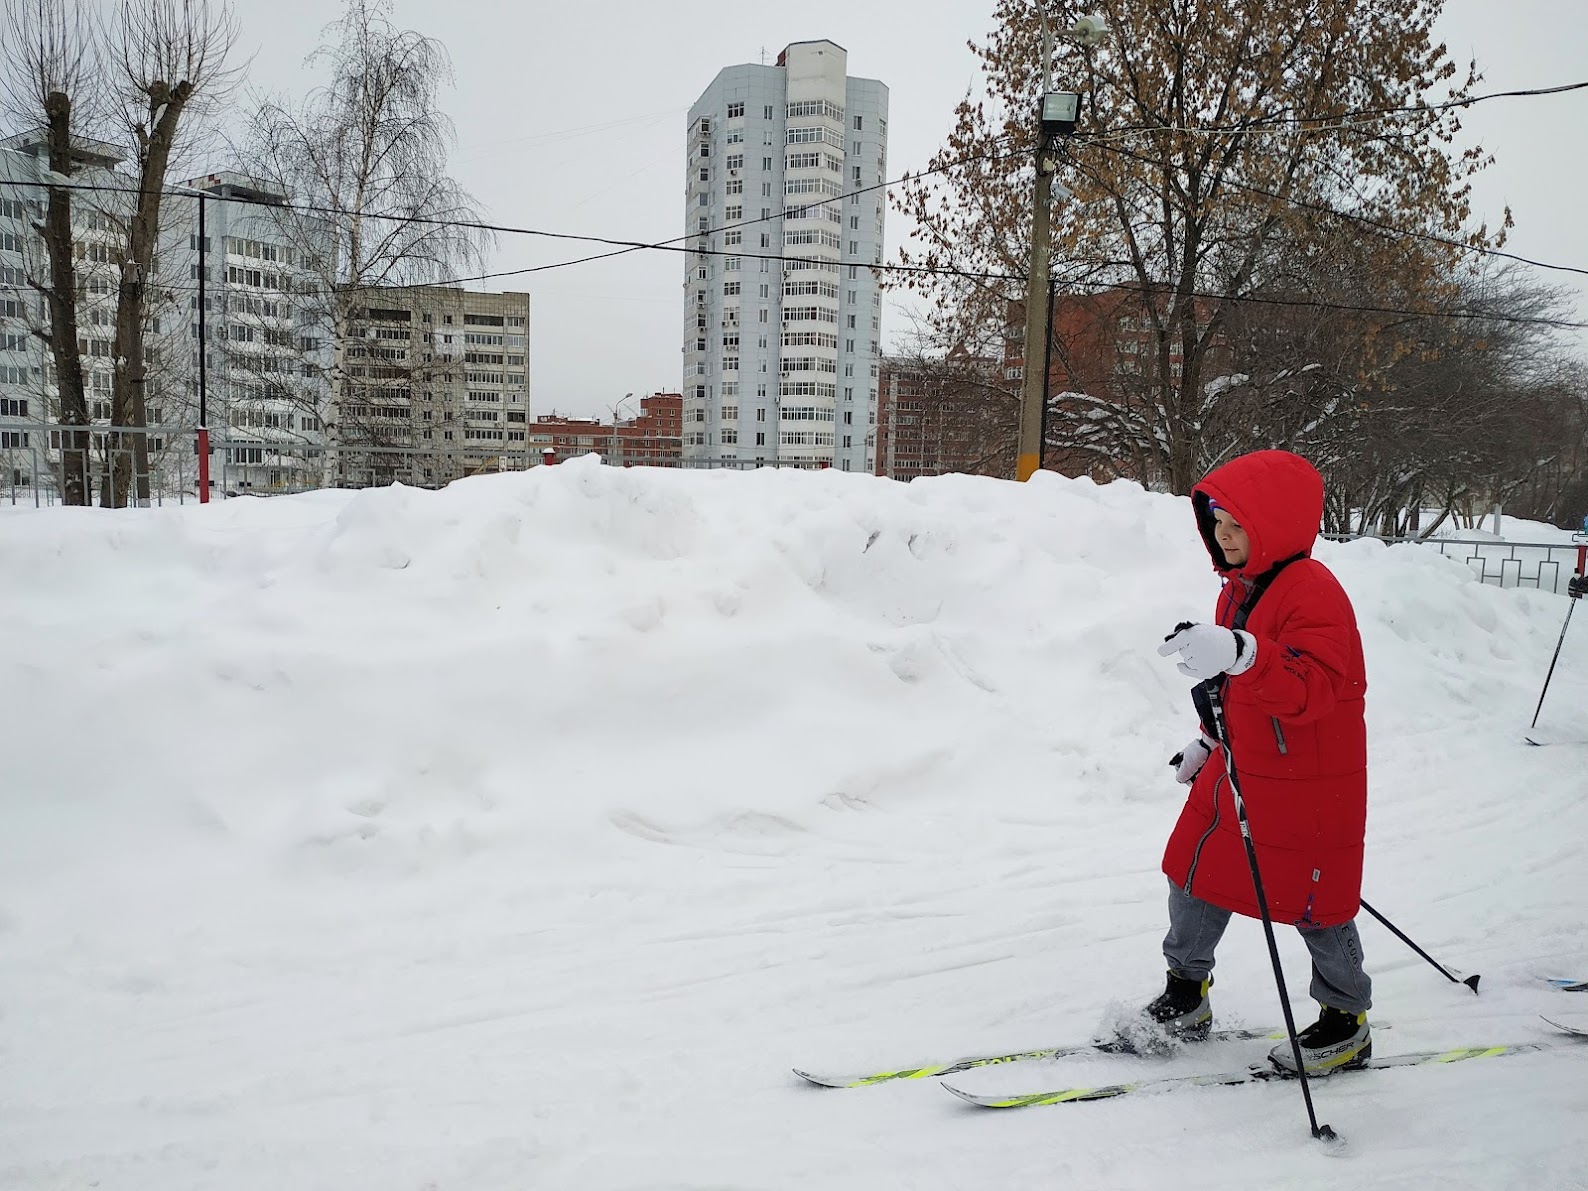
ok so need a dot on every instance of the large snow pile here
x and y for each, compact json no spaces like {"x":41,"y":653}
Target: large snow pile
{"x":523,"y":835}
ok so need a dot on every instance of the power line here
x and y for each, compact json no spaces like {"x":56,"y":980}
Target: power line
{"x":1350,"y":118}
{"x":1368,"y":221}
{"x":626,"y":246}
{"x":623,"y":246}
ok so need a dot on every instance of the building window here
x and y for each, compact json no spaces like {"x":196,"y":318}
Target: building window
{"x":766,"y":112}
{"x":735,"y":111}
{"x":735,"y":161}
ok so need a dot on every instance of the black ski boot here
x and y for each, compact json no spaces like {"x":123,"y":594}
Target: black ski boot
{"x":1337,"y":1041}
{"x":1183,"y":1010}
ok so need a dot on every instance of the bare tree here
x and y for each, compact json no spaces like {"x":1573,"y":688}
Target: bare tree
{"x":949,"y":406}
{"x":49,"y":59}
{"x":1211,"y":125}
{"x":367,"y":153}
{"x":171,"y":66}
{"x":1407,"y":413}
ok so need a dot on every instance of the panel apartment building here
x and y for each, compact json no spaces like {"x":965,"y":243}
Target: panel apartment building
{"x":267,"y":351}
{"x":782,"y":326}
{"x":268,"y":333}
{"x":432,"y":384}
{"x":29,"y":450}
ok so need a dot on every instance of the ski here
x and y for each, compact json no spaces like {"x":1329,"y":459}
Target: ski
{"x":1577,"y":1031}
{"x":1256,"y":1073}
{"x":928,"y":1071}
{"x":1569,"y":985}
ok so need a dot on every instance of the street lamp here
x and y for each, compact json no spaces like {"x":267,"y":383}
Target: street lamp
{"x":202,"y":445}
{"x":1057,"y":115}
{"x":616,"y":442}
{"x":1060,"y":112}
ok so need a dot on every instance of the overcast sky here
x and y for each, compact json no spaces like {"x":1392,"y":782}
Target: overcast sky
{"x":570,"y":118}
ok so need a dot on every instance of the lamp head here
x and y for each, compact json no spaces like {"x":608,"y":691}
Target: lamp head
{"x":1090,"y":30}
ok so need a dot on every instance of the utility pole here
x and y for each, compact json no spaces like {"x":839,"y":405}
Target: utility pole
{"x":1058,"y":113}
{"x":1032,"y":385}
{"x":1033,"y":382}
{"x":203,"y":360}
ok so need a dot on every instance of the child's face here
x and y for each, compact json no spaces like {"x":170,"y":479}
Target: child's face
{"x":1231,"y":538}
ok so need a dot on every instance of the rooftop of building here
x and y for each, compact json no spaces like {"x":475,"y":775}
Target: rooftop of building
{"x":85,"y":150}
{"x":234,"y":185}
{"x":782,"y":57}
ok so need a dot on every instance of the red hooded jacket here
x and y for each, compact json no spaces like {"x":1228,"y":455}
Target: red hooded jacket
{"x":1295,"y":718}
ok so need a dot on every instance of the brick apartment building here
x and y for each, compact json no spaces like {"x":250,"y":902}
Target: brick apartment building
{"x":654,"y":438}
{"x":1103,"y":346}
{"x":934,"y":419}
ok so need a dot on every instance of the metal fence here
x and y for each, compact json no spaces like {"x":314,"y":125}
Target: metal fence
{"x":1546,"y":566}
{"x":31,"y":461}
{"x":31,"y":455}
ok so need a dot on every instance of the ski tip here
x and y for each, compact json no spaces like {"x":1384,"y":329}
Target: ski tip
{"x":1577,"y":1031}
{"x":818,"y":1081}
{"x":968,"y":1097}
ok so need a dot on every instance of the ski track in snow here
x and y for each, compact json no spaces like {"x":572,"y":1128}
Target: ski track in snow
{"x":527,"y":833}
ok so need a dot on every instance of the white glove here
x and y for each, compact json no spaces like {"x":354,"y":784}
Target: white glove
{"x":1188,"y":762}
{"x":1208,"y":650}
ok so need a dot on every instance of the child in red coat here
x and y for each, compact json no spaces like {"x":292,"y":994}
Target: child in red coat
{"x":1286,"y":656}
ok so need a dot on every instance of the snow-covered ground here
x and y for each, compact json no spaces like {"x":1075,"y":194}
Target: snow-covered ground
{"x":525,"y":834}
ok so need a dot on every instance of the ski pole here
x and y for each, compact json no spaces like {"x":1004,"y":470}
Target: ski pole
{"x":1570,"y":608}
{"x":1470,"y":981}
{"x":1216,"y":701}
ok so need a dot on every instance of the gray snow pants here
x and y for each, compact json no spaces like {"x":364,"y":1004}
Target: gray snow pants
{"x":1338,"y":980}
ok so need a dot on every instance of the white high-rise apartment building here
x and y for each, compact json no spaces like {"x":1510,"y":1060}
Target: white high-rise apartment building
{"x":783,"y":314}
{"x":270,"y":343}
{"x":268,"y":347}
